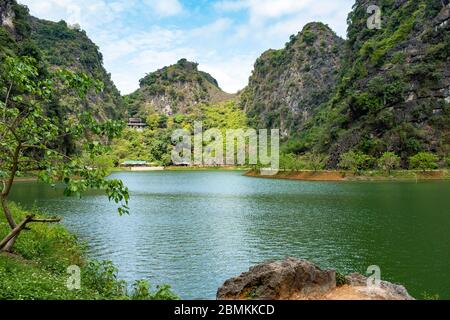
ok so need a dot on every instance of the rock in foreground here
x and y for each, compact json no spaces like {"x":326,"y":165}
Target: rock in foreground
{"x":293,"y":279}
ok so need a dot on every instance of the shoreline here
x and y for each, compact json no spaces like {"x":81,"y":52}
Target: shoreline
{"x":174,"y":168}
{"x":343,"y":176}
{"x":26,"y":179}
{"x":304,"y":175}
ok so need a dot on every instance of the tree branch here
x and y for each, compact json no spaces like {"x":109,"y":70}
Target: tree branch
{"x":13,"y":131}
{"x":6,"y":101}
{"x":4,"y":148}
{"x":15,"y":232}
{"x":22,"y":115}
{"x":52,"y":220}
{"x":23,"y":226}
{"x":12,"y":175}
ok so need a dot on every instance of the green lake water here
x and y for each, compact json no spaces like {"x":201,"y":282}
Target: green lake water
{"x":195,"y":229}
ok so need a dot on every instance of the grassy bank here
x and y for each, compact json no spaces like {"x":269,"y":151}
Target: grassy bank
{"x":38,"y":269}
{"x":398,"y":175}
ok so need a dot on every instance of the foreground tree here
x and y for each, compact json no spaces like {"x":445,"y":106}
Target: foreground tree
{"x":424,"y":161}
{"x":316,"y":161}
{"x":32,"y":139}
{"x":355,"y":162}
{"x":389,"y":161}
{"x":287,"y":161}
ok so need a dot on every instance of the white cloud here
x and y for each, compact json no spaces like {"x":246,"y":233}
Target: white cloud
{"x":88,"y":13}
{"x":231,"y":5}
{"x":261,"y":10}
{"x":265,"y":9}
{"x":165,"y":8}
{"x":94,"y":13}
{"x":287,"y":16}
{"x":212,"y":29}
{"x":232,"y":73}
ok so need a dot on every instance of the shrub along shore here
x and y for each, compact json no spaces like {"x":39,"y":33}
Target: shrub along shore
{"x":37,"y":270}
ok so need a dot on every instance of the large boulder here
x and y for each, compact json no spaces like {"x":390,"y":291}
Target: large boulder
{"x":293,"y":279}
{"x":278,"y":280}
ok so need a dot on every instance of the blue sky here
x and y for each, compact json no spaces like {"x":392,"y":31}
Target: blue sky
{"x":224,"y":36}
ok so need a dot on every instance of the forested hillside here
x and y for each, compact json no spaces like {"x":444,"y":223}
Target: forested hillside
{"x":154,"y":144}
{"x":393,"y":91}
{"x":59,"y":45}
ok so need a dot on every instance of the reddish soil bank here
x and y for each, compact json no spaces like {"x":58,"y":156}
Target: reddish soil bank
{"x":347,"y":176}
{"x":302,"y":175}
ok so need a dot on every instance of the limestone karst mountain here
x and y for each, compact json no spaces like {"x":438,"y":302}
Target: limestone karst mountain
{"x":288,"y":85}
{"x":58,"y":45}
{"x":381,"y":90}
{"x":175,"y":89}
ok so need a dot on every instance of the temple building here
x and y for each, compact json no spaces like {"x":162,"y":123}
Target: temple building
{"x":137,"y":124}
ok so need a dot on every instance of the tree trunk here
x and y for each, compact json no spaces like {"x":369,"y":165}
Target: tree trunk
{"x":7,"y":212}
{"x":8,"y":247}
{"x":11,"y":222}
{"x":5,"y":193}
{"x":7,"y":243}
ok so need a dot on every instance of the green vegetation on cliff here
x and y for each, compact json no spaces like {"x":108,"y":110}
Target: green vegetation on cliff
{"x":389,"y":98}
{"x":392,"y":92}
{"x":57,"y":45}
{"x":176,"y":89}
{"x":154,"y":144}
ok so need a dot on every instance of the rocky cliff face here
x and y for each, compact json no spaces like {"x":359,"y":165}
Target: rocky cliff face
{"x":7,"y":15}
{"x":288,"y":85}
{"x":14,"y":27}
{"x":175,"y":89}
{"x":69,"y":47}
{"x":56,"y":45}
{"x":394,"y":92}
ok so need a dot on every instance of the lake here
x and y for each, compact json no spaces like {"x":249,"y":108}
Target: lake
{"x":195,"y":229}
